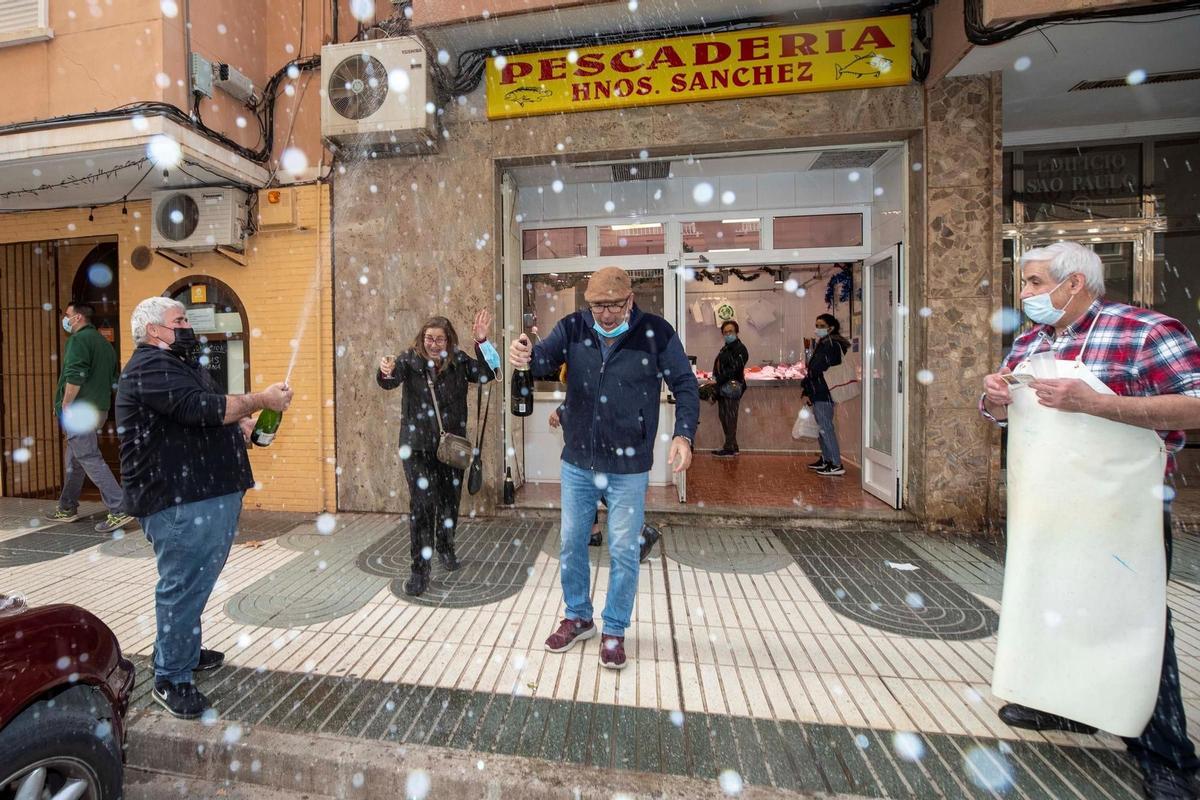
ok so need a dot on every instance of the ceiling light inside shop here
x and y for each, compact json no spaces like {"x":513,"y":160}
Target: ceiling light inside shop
{"x":643,"y":226}
{"x":738,"y":221}
{"x":728,"y":249}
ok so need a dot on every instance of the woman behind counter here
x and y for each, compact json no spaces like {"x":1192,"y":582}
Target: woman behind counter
{"x":434,"y":488}
{"x":828,"y":352}
{"x":729,"y":374}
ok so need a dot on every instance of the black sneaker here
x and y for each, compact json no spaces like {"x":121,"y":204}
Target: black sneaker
{"x":416,"y":584}
{"x":209,"y":660}
{"x":596,"y":539}
{"x":449,"y":561}
{"x":649,"y":538}
{"x":723,"y":453}
{"x":819,"y":464}
{"x":182,"y":700}
{"x":831,"y":469}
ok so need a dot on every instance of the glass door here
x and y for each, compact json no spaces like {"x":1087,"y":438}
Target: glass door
{"x":883,"y":382}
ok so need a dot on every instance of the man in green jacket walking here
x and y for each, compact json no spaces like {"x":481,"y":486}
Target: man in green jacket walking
{"x":84,"y":396}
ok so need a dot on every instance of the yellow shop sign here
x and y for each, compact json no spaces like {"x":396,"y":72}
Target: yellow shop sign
{"x":853,"y":54}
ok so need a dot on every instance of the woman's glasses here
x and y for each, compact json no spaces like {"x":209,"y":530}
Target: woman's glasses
{"x":436,"y":339}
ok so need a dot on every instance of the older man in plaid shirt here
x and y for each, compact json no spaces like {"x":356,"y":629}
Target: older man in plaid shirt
{"x":1152,"y":364}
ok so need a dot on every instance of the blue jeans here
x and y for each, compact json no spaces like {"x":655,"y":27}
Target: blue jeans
{"x":626,"y":499}
{"x":191,"y":543}
{"x":823,"y":410}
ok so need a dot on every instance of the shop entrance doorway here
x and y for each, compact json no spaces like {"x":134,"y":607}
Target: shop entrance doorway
{"x":769,"y":241}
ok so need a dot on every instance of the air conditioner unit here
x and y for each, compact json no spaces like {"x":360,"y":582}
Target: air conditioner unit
{"x":375,"y":94}
{"x":191,"y":220}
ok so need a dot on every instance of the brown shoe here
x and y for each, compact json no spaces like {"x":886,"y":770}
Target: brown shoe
{"x":569,"y":632}
{"x":612,"y":652}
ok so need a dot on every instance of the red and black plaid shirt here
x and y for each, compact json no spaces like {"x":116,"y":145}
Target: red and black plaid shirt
{"x":1133,"y":351}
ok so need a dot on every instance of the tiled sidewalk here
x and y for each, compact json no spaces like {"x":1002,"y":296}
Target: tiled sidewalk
{"x":802,"y":659}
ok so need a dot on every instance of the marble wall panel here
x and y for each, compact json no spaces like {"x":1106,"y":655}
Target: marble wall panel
{"x":957,"y":453}
{"x":427,"y":235}
{"x":959,"y":246}
{"x":962,"y":135}
{"x":767,"y":119}
{"x":960,"y":283}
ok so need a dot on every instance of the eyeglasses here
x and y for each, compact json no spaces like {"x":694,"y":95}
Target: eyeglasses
{"x":613,"y":308}
{"x":436,"y":339}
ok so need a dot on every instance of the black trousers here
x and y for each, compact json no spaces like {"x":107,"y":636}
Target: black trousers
{"x":434,"y":490}
{"x":1165,"y":742}
{"x":727,"y":410}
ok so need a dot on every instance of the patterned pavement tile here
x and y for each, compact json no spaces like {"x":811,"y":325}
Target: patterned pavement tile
{"x":852,"y":573}
{"x":727,"y":550}
{"x":496,"y":558}
{"x":51,"y":543}
{"x":321,"y":585}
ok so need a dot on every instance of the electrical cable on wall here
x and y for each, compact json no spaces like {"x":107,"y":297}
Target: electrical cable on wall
{"x":980,"y":33}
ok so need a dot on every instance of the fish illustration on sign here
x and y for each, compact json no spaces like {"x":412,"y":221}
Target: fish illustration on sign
{"x":527,"y":94}
{"x":868,"y":65}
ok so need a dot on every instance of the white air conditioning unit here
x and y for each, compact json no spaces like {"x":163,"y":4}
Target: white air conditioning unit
{"x":375,"y":94}
{"x":191,"y":220}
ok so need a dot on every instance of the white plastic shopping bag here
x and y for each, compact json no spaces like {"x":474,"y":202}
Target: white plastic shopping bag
{"x":805,"y":426}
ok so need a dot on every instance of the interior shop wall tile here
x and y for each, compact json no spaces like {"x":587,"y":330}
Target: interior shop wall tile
{"x":852,"y":186}
{"x":776,"y":190}
{"x":629,"y":198}
{"x":701,"y":194}
{"x":744,"y":189}
{"x":663,"y":197}
{"x":592,"y":197}
{"x":529,"y":204}
{"x":562,"y":204}
{"x":814,"y":188}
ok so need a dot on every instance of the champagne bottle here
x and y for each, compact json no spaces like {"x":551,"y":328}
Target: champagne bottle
{"x":522,"y":390}
{"x":266,"y":426}
{"x":510,"y":490}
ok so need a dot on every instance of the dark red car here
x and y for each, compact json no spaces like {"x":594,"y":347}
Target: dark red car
{"x":64,"y":690}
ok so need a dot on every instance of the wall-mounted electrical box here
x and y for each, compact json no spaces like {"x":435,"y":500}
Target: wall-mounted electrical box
{"x":276,"y":209}
{"x":202,"y":75}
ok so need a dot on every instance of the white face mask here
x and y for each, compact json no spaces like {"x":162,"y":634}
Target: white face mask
{"x":1040,"y":308}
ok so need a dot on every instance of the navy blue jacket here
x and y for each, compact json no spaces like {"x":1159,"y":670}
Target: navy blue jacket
{"x":611,"y":412}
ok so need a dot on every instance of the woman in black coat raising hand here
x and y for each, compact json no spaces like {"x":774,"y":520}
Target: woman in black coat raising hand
{"x":435,"y":363}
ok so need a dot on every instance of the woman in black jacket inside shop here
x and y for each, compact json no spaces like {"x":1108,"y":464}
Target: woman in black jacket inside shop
{"x":729,"y":374}
{"x":831,"y":346}
{"x":434,"y":488}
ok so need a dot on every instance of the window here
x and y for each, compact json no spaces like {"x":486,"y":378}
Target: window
{"x":23,"y":21}
{"x":219,"y":319}
{"x":725,"y":235}
{"x":635,"y":239}
{"x":818,"y":230}
{"x":548,"y":243}
{"x":548,"y":297}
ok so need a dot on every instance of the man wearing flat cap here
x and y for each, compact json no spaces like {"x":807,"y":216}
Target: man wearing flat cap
{"x":617,"y":358}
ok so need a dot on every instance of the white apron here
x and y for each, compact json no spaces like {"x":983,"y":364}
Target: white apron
{"x":1084,"y":608}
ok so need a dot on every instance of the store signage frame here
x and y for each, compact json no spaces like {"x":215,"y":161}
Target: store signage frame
{"x":754,"y":62}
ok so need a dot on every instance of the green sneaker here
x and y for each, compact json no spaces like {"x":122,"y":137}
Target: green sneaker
{"x":60,"y":515}
{"x":112,"y":522}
